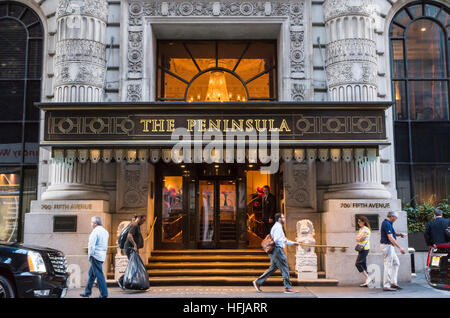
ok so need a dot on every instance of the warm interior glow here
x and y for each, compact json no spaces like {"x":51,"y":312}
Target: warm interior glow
{"x":217,"y":88}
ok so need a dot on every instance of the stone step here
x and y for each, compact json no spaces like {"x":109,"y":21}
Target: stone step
{"x":210,"y":252}
{"x":212,"y":272}
{"x":208,"y":258}
{"x":230,"y":281}
{"x":211,"y":265}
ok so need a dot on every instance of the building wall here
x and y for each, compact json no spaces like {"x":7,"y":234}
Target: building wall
{"x":130,"y":44}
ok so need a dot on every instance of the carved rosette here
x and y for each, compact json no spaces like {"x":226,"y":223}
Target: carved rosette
{"x":294,"y":10}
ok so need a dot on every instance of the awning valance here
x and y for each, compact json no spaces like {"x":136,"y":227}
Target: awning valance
{"x":167,"y":155}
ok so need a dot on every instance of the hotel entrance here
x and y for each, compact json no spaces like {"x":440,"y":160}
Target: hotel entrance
{"x":209,"y":206}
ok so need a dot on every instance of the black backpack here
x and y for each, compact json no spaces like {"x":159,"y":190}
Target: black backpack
{"x":123,"y":236}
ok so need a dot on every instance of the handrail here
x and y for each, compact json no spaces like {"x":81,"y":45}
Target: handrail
{"x":174,"y":221}
{"x":331,"y":247}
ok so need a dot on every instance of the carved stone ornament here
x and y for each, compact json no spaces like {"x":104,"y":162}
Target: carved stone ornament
{"x":293,"y":10}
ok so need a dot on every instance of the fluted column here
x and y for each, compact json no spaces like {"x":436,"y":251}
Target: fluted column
{"x":80,"y":62}
{"x":351,"y":50}
{"x":352,"y":76}
{"x":80,"y":66}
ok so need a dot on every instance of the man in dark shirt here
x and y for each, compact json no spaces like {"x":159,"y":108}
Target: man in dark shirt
{"x":134,"y":240}
{"x":435,"y":230}
{"x":391,"y":262}
{"x":269,"y":208}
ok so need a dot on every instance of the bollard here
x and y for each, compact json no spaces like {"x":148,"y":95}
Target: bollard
{"x":413,"y":264}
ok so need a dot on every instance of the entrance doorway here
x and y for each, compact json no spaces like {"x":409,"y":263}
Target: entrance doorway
{"x":209,"y":206}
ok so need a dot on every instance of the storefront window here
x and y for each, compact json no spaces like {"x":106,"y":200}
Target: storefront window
{"x":9,"y":204}
{"x":216,"y":71}
{"x":21,"y":44}
{"x":172,"y":210}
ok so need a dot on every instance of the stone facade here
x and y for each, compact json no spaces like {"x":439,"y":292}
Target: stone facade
{"x":100,"y":51}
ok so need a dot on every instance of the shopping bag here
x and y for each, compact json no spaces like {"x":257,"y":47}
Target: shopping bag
{"x":136,"y":276}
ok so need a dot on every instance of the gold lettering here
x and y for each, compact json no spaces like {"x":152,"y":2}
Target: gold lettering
{"x":170,"y":125}
{"x":215,"y":125}
{"x":191,"y":124}
{"x":284,"y":125}
{"x":145,"y":122}
{"x":271,"y":128}
{"x":249,"y":125}
{"x":158,"y":127}
{"x":235,"y":125}
{"x":225,"y":125}
{"x":258,"y":126}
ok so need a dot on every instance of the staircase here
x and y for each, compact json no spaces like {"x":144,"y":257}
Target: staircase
{"x":218,"y":268}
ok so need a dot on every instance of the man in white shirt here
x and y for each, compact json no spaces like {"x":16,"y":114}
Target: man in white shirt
{"x":98,"y":246}
{"x":278,"y":259}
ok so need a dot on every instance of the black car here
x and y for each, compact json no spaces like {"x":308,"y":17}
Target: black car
{"x":31,"y":271}
{"x":437,"y":271}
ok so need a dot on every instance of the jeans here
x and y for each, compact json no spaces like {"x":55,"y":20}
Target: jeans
{"x":391,"y":265}
{"x":278,"y":260}
{"x":96,"y":271}
{"x":361,"y":261}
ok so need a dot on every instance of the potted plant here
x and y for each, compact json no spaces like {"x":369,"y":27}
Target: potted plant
{"x":418,"y":217}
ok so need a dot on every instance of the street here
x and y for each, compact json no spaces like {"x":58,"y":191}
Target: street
{"x":417,"y":288}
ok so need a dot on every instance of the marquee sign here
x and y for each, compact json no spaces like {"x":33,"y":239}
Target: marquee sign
{"x":156,"y":122}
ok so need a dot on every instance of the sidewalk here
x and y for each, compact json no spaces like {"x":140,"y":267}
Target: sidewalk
{"x":417,"y":288}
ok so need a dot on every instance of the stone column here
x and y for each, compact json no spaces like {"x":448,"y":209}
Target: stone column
{"x":352,"y":76}
{"x":80,"y":60}
{"x":75,"y":176}
{"x":80,"y":66}
{"x":351,"y":50}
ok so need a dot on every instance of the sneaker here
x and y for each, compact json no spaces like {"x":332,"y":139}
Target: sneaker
{"x":85,"y":295}
{"x":290,"y":291}
{"x":364,"y":285}
{"x":396,"y":287}
{"x":255,"y":284}
{"x":389,"y":289}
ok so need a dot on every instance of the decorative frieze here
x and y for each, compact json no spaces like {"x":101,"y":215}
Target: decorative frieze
{"x":338,"y":8}
{"x":93,"y":8}
{"x":351,"y":72}
{"x":351,"y":49}
{"x":80,"y":50}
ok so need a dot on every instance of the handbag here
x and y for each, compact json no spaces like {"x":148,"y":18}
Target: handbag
{"x":359,"y":248}
{"x":268,"y":245}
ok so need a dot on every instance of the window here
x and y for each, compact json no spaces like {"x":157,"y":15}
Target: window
{"x":216,"y":71}
{"x":21,"y":42}
{"x":420,"y":70}
{"x":419,"y":36}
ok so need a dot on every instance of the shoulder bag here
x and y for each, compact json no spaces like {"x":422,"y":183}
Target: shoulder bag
{"x":268,"y":245}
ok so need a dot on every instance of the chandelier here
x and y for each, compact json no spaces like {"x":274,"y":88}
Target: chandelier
{"x":217,"y":88}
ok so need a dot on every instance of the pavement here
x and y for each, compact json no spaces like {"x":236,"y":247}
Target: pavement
{"x":417,"y":288}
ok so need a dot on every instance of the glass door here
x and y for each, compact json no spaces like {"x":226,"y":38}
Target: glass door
{"x":217,"y":214}
{"x":227,"y":211}
{"x":206,"y":213}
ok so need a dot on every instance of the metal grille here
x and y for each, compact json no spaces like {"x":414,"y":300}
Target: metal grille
{"x":59,"y":262}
